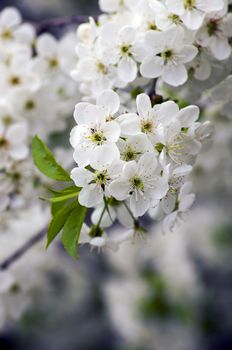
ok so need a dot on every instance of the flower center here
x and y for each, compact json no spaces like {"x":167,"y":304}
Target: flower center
{"x":167,"y":55}
{"x":101,"y":68}
{"x":125,"y":50}
{"x":159,"y":147}
{"x":189,"y":4}
{"x":7,"y":34}
{"x":146,"y":126}
{"x":152,"y":26}
{"x":137,"y":183}
{"x":29,"y":105}
{"x":174,"y":18}
{"x":7,"y":119}
{"x":15,"y":80}
{"x":212,"y":27}
{"x":100,"y":178}
{"x":53,"y":62}
{"x":97,"y":137}
{"x":130,"y":154}
{"x":3,"y":142}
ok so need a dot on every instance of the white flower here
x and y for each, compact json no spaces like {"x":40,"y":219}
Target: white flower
{"x":200,"y":66}
{"x":118,"y":47}
{"x":13,"y":143}
{"x":192,"y":12}
{"x":19,"y":74}
{"x":215,"y":34}
{"x":95,"y":185}
{"x":12,"y":29}
{"x":164,"y":18}
{"x":184,"y":202}
{"x":140,"y":183}
{"x":95,"y":135}
{"x":133,"y":147}
{"x":167,"y":54}
{"x":116,"y":5}
{"x":222,"y":95}
{"x":149,"y":118}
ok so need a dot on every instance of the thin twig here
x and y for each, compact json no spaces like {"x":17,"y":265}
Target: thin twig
{"x":59,"y":23}
{"x":22,"y":250}
{"x":152,"y":90}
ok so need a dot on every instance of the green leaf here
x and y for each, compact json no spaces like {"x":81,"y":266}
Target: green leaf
{"x":59,"y":220}
{"x":45,"y":161}
{"x":55,"y":207}
{"x":63,"y":198}
{"x":72,"y":228}
{"x":66,"y":190}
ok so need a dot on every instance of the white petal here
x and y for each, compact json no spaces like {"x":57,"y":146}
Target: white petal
{"x":169,"y":222}
{"x":187,"y":202}
{"x":111,"y":131}
{"x":166,"y":111}
{"x":46,"y":45}
{"x":127,"y":69}
{"x":220,"y":48}
{"x":129,"y":123}
{"x":193,"y":19}
{"x":82,"y":154}
{"x":139,"y":204}
{"x":80,"y":115}
{"x":147,"y":164}
{"x":10,"y":17}
{"x":81,"y":176}
{"x":152,"y":67}
{"x":188,"y":115}
{"x":211,"y":5}
{"x":103,"y":156}
{"x":17,"y":133}
{"x":19,"y":152}
{"x":90,"y":196}
{"x":143,"y":103}
{"x":187,"y":53}
{"x":175,"y":75}
{"x":127,"y":34}
{"x":119,"y":189}
{"x":109,"y":100}
{"x":176,"y":6}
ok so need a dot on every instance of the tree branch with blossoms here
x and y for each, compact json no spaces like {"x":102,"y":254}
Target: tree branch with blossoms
{"x":133,"y":144}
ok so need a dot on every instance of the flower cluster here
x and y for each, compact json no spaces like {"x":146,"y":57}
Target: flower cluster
{"x":37,"y":95}
{"x":131,"y":163}
{"x":145,"y":39}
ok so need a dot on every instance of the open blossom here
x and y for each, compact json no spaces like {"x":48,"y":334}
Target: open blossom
{"x":118,"y":47}
{"x":93,"y":139}
{"x":167,"y":54}
{"x":13,"y":146}
{"x":192,"y":12}
{"x":184,"y":202}
{"x":215,"y":34}
{"x":149,"y":119}
{"x":13,"y":30}
{"x":140,"y":183}
{"x":164,"y":18}
{"x":95,"y":184}
{"x":116,"y":5}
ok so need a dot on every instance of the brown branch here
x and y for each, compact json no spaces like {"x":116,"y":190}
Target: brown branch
{"x":22,"y":250}
{"x":46,"y":24}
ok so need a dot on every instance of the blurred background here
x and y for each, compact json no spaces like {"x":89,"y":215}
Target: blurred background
{"x":174,"y":293}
